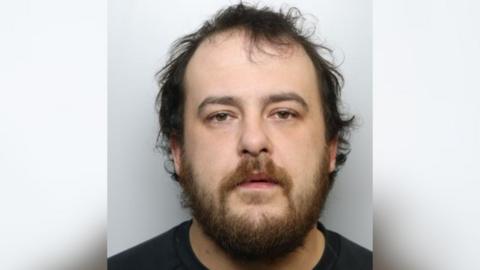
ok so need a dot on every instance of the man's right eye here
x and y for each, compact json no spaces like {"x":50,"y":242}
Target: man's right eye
{"x":219,"y":117}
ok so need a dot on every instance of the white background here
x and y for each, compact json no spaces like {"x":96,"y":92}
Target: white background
{"x":143,"y":201}
{"x":53,"y":134}
{"x":426,"y":135}
{"x":53,"y":144}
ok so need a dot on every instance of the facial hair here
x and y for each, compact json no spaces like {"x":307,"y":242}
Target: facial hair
{"x":268,"y":238}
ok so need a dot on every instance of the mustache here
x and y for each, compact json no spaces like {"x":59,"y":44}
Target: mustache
{"x":254,"y":166}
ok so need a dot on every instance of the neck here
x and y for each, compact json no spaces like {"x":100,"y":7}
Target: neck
{"x":214,"y":257}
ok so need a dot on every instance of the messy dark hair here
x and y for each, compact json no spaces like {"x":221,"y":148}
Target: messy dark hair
{"x":262,"y":25}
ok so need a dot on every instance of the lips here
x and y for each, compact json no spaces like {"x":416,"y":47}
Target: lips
{"x":259,"y":181}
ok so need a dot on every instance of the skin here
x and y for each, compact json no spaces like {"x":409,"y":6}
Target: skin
{"x":273,"y":110}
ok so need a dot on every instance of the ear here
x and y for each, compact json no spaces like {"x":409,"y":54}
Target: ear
{"x":176,"y":153}
{"x":332,"y":154}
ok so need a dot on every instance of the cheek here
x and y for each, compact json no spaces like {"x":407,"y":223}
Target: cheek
{"x":211,"y":156}
{"x":300,"y":153}
{"x":209,"y":148}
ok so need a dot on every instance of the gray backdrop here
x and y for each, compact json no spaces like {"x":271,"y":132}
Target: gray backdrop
{"x":142,"y":200}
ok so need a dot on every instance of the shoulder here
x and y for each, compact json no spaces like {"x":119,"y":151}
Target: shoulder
{"x":158,"y":252}
{"x":350,"y":255}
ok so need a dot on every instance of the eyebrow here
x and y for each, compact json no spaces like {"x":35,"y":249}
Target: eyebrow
{"x":233,"y":101}
{"x":223,"y":100}
{"x":289,"y":96}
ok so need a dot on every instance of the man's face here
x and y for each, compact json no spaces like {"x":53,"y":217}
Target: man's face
{"x":254,"y":161}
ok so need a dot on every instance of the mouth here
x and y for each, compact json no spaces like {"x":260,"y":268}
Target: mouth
{"x":259,"y":181}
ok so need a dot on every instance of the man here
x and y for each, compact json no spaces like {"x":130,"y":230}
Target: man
{"x":249,"y":116}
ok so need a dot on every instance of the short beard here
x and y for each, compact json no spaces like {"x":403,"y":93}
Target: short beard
{"x":268,"y":238}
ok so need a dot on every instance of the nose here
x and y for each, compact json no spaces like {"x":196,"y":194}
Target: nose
{"x":254,"y":139}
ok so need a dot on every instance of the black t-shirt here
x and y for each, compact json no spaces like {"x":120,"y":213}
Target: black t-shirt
{"x":172,"y":250}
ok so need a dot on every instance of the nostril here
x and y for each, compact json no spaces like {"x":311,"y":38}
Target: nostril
{"x":254,"y":152}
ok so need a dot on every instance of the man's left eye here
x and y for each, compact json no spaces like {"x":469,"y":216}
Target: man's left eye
{"x":284,"y":114}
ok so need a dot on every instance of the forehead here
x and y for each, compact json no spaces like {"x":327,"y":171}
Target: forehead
{"x":230,"y":64}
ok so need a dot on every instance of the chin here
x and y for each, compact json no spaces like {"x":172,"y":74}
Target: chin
{"x":259,"y":214}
